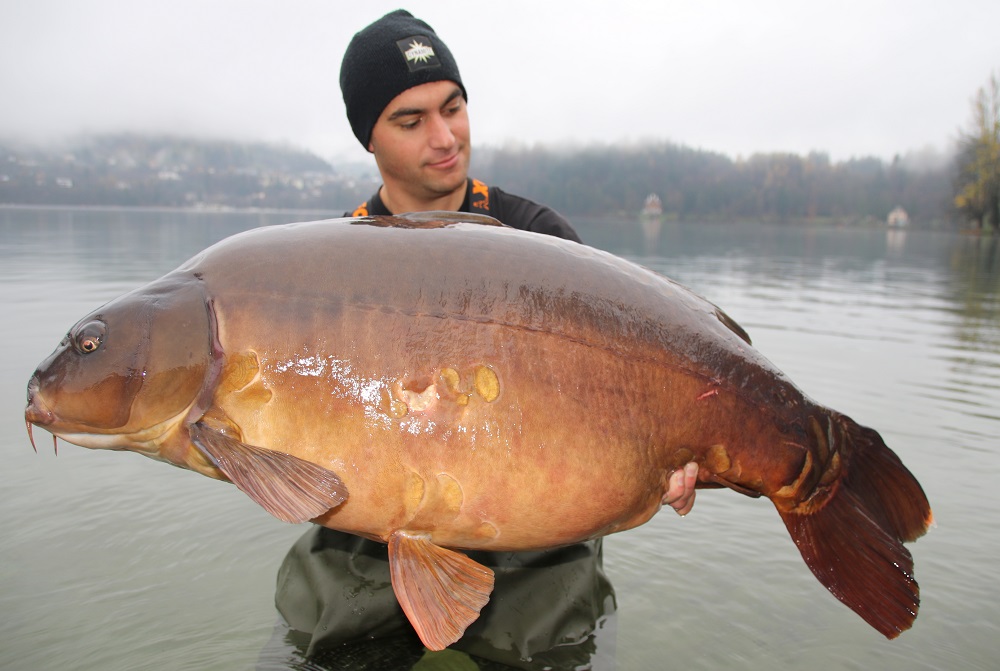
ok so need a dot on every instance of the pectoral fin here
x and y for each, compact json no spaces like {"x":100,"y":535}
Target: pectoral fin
{"x":291,"y":489}
{"x":441,"y":591}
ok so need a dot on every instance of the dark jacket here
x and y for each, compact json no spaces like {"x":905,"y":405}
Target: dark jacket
{"x":512,"y":210}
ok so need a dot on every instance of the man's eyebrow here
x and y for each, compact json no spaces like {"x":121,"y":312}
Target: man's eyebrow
{"x":454,"y":94}
{"x":416,"y":111}
{"x":405,"y":111}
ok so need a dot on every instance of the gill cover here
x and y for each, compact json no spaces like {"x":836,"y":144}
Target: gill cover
{"x":130,"y":365}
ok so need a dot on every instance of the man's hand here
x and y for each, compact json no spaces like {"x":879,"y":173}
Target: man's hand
{"x":680,"y":494}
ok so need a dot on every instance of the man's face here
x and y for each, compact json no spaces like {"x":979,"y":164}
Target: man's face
{"x":421,"y":141}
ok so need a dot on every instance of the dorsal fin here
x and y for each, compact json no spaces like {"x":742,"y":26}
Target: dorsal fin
{"x":432,"y":219}
{"x":731,"y":324}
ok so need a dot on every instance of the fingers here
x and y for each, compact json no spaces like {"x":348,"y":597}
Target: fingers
{"x":690,"y":480}
{"x":681,"y":490}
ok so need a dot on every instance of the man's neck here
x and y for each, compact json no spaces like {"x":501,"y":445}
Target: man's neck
{"x":400,"y":202}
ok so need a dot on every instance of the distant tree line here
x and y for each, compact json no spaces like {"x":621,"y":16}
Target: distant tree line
{"x":700,"y":185}
{"x":693,"y":185}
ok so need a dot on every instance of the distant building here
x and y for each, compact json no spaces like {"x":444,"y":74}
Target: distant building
{"x":898,"y":218}
{"x":652,"y":207}
{"x":651,"y":218}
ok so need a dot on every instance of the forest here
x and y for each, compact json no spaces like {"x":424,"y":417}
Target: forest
{"x":693,"y":184}
{"x":701,"y":185}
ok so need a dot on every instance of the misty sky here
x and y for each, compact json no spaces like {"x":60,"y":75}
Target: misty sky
{"x":848,"y":78}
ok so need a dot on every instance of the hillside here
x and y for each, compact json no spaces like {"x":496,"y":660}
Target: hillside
{"x":131,"y":170}
{"x":692,"y":184}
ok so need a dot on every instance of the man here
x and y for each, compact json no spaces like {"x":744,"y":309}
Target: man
{"x":407,"y":105}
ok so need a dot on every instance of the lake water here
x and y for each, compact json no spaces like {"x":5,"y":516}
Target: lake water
{"x":113,"y":561}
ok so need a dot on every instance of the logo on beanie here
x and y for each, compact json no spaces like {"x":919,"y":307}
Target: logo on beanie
{"x":418,"y":53}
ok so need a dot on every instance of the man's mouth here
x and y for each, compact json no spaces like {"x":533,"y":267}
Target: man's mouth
{"x":445,"y":164}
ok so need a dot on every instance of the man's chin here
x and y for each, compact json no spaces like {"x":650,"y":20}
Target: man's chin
{"x":449,"y":184}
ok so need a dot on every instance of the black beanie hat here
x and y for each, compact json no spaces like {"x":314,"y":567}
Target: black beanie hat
{"x":395,"y":53}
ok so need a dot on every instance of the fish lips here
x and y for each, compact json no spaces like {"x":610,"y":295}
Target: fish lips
{"x":37,"y":412}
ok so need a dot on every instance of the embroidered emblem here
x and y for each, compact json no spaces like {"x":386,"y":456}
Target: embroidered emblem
{"x":418,"y":53}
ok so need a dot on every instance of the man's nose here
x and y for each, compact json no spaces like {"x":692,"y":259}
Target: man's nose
{"x":441,"y":136}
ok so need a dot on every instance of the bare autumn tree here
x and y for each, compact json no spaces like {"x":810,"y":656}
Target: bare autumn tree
{"x":978,"y":176}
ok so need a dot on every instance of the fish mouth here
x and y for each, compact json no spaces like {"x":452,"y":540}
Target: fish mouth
{"x":37,"y":412}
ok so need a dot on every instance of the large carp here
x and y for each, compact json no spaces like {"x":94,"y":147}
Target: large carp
{"x":444,"y":386}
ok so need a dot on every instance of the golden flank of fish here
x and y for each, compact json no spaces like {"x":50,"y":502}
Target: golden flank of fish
{"x":444,"y":386}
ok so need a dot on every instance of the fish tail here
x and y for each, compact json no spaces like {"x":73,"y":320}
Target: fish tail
{"x":851,"y":530}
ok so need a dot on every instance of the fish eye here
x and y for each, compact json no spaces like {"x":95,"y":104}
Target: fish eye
{"x":89,"y":337}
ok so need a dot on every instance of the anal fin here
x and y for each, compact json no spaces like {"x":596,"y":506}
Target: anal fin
{"x":441,"y":591}
{"x":291,"y":489}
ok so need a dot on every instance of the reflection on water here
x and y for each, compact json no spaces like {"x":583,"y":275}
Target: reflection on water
{"x":116,"y":245}
{"x":113,"y":561}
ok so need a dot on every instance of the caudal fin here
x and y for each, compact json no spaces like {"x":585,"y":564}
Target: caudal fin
{"x":853,"y":542}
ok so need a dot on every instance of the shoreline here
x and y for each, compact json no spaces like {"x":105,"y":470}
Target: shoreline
{"x":164,"y":208}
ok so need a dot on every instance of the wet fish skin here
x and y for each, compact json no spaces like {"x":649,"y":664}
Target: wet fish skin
{"x":446,"y":386}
